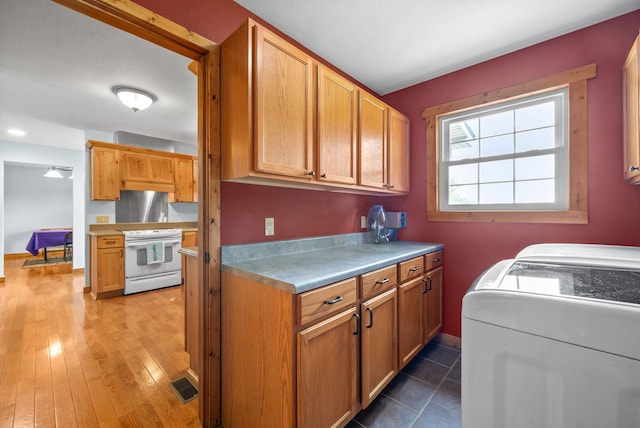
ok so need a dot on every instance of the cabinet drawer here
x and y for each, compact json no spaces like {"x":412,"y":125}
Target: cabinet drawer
{"x":434,"y":260}
{"x":378,"y":281}
{"x":110,"y":241}
{"x":410,"y":269}
{"x":318,"y":303}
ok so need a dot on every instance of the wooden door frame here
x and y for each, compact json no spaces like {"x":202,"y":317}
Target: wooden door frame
{"x":144,"y":23}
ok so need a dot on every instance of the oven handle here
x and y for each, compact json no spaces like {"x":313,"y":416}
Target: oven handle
{"x":145,"y":243}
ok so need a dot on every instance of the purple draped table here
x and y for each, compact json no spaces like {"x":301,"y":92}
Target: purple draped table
{"x":46,"y":238}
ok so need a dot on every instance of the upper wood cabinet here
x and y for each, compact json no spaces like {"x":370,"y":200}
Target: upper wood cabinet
{"x":142,"y":171}
{"x":337,"y":127}
{"x":631,"y":114}
{"x":288,"y":120}
{"x":183,"y":181}
{"x":104,"y":172}
{"x":116,"y":167}
{"x":372,"y":142}
{"x":266,"y":106}
{"x":398,"y":149}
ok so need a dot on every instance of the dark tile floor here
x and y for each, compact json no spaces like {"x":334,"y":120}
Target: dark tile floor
{"x":425,"y":394}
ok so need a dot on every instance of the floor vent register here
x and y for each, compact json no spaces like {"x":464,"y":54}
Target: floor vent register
{"x":184,"y":389}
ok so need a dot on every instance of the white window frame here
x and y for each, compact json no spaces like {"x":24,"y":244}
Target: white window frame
{"x":576,"y":211}
{"x":559,"y":151}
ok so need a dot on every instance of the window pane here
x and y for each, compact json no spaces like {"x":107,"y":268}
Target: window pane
{"x":463,"y":174}
{"x":539,"y":139}
{"x":463,"y":130}
{"x":463,"y":195}
{"x":466,"y":150}
{"x":535,"y":167}
{"x":496,"y":193}
{"x":496,"y":171}
{"x":495,"y":124}
{"x":537,"y":116}
{"x":495,"y":146}
{"x":535,"y":191}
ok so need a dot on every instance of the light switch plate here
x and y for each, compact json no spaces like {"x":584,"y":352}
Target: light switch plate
{"x":269,"y":226}
{"x":363,"y":222}
{"x":102,"y":219}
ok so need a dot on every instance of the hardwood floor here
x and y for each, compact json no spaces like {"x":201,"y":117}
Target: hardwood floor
{"x":70,"y":361}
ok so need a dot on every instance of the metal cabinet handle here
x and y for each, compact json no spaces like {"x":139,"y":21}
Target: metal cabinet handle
{"x":323,"y":175}
{"x":312,"y":173}
{"x":436,"y":260}
{"x":370,"y":311}
{"x":382,"y":281}
{"x":430,"y":283}
{"x":331,"y":302}
{"x":424,"y":286}
{"x":634,"y":168}
{"x":357,"y":332}
{"x":414,"y":269}
{"x":390,"y":186}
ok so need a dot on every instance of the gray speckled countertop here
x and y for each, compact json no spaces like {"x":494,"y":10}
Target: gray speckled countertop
{"x":301,"y":265}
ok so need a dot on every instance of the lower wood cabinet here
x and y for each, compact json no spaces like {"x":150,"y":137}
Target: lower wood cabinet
{"x":410,"y":320}
{"x":328,"y":371}
{"x":106,"y":266}
{"x":317,"y":358}
{"x":379,"y":356}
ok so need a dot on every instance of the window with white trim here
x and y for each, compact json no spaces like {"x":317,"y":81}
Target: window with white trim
{"x":507,"y":156}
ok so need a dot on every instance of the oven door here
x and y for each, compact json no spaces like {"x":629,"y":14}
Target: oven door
{"x":151,"y":257}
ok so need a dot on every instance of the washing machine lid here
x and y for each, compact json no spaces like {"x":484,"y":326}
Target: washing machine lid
{"x":587,"y":304}
{"x":584,"y":254}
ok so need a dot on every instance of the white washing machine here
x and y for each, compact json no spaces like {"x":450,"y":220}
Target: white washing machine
{"x":551,"y":339}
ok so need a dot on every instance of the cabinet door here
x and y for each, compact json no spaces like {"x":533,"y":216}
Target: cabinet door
{"x":337,"y":132}
{"x":433,"y":298}
{"x":110,"y":269}
{"x":631,"y":115}
{"x":283,"y":101}
{"x":183,"y":180}
{"x":372,"y":142}
{"x":105,"y":175}
{"x":398,"y":152}
{"x":379,"y":350}
{"x":410,"y":320}
{"x":194,"y":166}
{"x":328,"y":372}
{"x":141,"y":171}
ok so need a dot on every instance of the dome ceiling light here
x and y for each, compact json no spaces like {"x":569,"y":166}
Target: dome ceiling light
{"x":135,"y":99}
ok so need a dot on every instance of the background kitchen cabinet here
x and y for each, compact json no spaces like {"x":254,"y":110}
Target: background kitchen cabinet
{"x":145,"y":171}
{"x":106,"y":266}
{"x":410,"y":320}
{"x":631,"y":76}
{"x":372,"y":142}
{"x":398,"y":145}
{"x":192,"y":314}
{"x":183,"y":180}
{"x":337,"y":127}
{"x":105,"y":174}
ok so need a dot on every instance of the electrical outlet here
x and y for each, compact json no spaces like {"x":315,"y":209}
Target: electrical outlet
{"x":363,"y":222}
{"x":269,"y":226}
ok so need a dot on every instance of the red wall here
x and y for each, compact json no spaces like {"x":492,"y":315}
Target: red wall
{"x":614,"y":206}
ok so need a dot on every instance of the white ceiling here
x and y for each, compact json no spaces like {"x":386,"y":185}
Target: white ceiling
{"x":392,"y":44}
{"x":57,"y":67}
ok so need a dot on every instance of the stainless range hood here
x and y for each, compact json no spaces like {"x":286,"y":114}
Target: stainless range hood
{"x":142,"y":207}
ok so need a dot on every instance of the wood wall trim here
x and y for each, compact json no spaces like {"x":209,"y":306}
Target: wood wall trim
{"x":142,"y":22}
{"x":139,"y":21}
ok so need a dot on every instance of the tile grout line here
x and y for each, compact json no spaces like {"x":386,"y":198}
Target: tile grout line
{"x":437,"y":388}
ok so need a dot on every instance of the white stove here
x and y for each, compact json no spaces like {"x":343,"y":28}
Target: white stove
{"x":151,"y":259}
